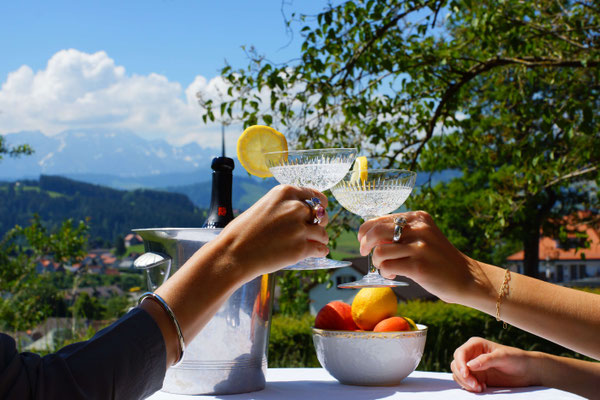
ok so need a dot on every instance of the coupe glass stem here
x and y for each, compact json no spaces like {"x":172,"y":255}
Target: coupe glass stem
{"x":372,"y":271}
{"x":373,"y":278}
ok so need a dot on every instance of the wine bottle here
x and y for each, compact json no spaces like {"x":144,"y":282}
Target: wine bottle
{"x":220,"y":212}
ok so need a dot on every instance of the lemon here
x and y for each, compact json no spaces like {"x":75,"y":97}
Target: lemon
{"x":360,"y":170}
{"x":412,"y":324}
{"x":372,"y":305}
{"x":253,"y":143}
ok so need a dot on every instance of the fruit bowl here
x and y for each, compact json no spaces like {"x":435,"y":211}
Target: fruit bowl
{"x":368,"y":358}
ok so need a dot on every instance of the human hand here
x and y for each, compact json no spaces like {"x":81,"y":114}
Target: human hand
{"x":276,"y":231}
{"x":480,"y":363}
{"x":423,"y":254}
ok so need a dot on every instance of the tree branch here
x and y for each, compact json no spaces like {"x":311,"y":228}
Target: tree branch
{"x":545,"y":31}
{"x":379,"y":33}
{"x":571,"y":175}
{"x":481,"y":68}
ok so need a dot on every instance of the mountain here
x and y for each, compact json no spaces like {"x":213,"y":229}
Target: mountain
{"x":111,"y":212}
{"x":98,"y":154}
{"x":124,"y":160}
{"x":245,"y":191}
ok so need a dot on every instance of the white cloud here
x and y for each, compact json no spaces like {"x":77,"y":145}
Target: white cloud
{"x":81,"y":90}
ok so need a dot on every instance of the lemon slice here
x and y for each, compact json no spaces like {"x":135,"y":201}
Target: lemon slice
{"x":253,"y":143}
{"x":360,"y":170}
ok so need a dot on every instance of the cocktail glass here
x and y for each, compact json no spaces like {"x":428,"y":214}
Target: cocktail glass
{"x":371,"y":194}
{"x":318,"y":169}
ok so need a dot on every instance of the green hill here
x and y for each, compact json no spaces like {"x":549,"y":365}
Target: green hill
{"x":111,"y":212}
{"x":245,"y":191}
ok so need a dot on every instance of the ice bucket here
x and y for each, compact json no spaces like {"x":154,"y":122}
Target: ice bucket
{"x":230,"y":354}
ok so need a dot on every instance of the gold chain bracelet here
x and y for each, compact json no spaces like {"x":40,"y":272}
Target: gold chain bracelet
{"x":502,"y":292}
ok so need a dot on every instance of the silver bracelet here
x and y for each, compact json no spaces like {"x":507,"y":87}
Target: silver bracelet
{"x":168,"y":310}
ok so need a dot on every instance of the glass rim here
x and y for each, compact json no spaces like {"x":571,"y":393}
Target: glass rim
{"x":306,"y":151}
{"x":381,"y":170}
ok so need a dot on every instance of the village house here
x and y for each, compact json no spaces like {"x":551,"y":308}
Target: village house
{"x":48,"y":265}
{"x":97,"y":261}
{"x":103,"y":292}
{"x":567,"y":262}
{"x":126,"y":263}
{"x":132,"y":239}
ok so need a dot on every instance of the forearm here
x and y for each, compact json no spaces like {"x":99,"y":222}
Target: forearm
{"x":275,"y":232}
{"x":195,"y":293}
{"x":565,"y":316}
{"x":576,"y":376}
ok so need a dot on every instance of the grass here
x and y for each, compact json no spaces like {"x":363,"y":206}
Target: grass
{"x":138,"y":248}
{"x":346,"y":246}
{"x":27,"y":188}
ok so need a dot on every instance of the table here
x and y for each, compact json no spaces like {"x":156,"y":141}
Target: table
{"x":316,"y":383}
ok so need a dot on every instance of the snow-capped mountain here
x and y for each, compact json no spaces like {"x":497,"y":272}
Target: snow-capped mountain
{"x":94,"y":155}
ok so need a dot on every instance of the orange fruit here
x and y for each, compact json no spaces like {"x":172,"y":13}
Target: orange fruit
{"x":336,"y":315}
{"x":371,"y":305}
{"x":392,"y":324}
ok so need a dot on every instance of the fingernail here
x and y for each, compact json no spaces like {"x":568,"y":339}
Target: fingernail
{"x":473,"y":364}
{"x":471,"y":382}
{"x":463,"y":371}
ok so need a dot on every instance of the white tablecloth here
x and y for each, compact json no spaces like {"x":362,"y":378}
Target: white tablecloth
{"x":316,"y":383}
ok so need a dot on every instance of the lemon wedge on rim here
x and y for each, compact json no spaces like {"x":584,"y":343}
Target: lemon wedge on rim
{"x":360,"y":170}
{"x":253,"y":143}
{"x":412,"y":324}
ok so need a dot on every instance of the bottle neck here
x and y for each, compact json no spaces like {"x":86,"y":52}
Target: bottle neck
{"x":221,"y":190}
{"x":220,"y":212}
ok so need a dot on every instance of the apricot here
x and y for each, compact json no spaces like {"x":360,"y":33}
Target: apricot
{"x":392,"y":324}
{"x":335,"y":315}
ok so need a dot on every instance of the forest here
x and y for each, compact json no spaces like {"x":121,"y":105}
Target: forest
{"x":110,"y":213}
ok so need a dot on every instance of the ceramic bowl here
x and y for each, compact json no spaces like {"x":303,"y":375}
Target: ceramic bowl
{"x":370,"y":358}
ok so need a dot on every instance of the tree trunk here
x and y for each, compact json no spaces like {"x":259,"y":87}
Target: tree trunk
{"x":531,"y":240}
{"x":531,"y":247}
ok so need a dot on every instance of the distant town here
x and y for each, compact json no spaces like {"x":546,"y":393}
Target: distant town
{"x":98,"y":261}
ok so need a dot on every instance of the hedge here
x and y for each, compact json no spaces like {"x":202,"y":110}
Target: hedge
{"x":449,"y":326}
{"x":290,"y":342}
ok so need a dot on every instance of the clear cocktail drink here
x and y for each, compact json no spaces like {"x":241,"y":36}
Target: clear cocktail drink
{"x":377,"y":192}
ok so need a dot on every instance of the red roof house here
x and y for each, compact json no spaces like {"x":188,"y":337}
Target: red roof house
{"x":560,"y":262}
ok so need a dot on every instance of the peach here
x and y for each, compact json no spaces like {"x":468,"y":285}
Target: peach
{"x":336,"y":315}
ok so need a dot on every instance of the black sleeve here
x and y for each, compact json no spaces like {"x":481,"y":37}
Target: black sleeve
{"x":126,"y":360}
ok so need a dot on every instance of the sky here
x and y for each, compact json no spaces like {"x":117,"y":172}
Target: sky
{"x":131,"y":64}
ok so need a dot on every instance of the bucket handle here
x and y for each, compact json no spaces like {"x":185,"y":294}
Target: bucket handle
{"x":151,"y":260}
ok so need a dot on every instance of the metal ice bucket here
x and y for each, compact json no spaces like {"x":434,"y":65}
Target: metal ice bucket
{"x":230,"y":354}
